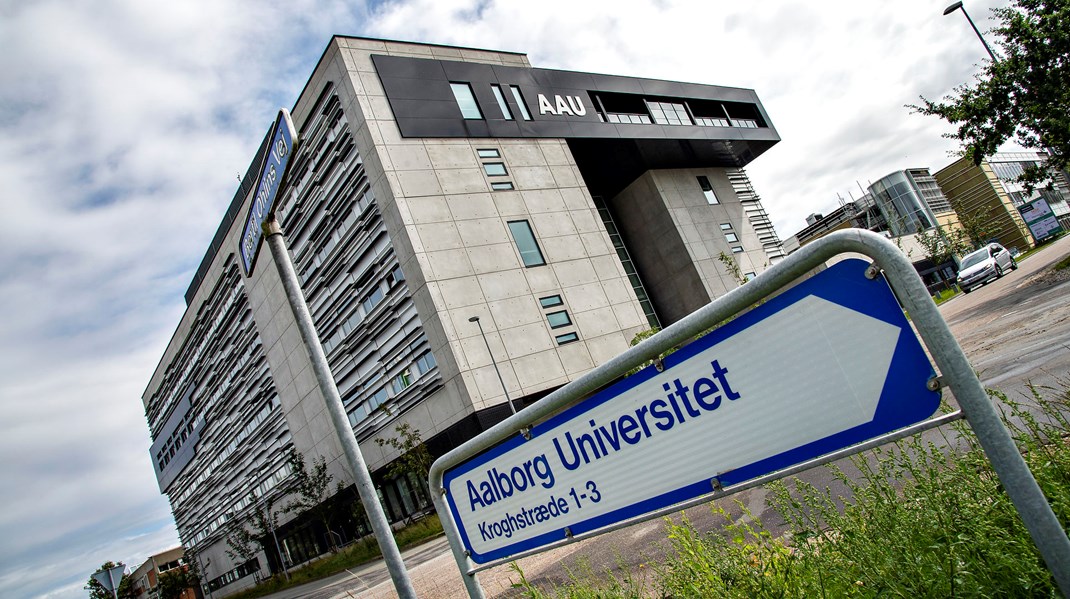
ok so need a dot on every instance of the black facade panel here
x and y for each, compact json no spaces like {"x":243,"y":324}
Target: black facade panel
{"x":409,"y":68}
{"x":417,"y":89}
{"x":477,"y":128}
{"x":444,"y":127}
{"x":662,"y":88}
{"x":469,"y":71}
{"x":504,"y":129}
{"x":427,"y":109}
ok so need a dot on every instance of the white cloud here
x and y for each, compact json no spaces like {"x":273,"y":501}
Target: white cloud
{"x":127,"y":122}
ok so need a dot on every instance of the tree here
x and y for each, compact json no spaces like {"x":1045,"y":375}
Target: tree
{"x":313,"y":492}
{"x":173,"y":583}
{"x":245,"y":544}
{"x":1023,"y":96}
{"x":97,"y":590}
{"x":414,"y":458}
{"x":942,"y":246}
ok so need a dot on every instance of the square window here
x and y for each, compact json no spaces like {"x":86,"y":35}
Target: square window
{"x":558,"y":319}
{"x":749,"y":276}
{"x":494,"y":169}
{"x":737,"y":250}
{"x":731,"y":237}
{"x":566,"y":338}
{"x":524,"y":237}
{"x":726,"y":226}
{"x":550,"y":301}
{"x":466,"y":100}
{"x":501,"y":186}
{"x":488,"y":153}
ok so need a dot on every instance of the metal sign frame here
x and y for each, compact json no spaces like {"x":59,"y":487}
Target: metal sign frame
{"x":953,"y":368}
{"x":848,"y":369}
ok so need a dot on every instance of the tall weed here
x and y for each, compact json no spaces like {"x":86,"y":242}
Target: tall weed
{"x":919,"y":518}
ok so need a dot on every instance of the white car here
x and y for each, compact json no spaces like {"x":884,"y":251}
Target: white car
{"x":984,"y":265}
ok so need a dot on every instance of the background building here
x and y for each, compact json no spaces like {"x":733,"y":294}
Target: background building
{"x":987,"y":196}
{"x":900,"y":205}
{"x":146,"y":577}
{"x":432,"y":184}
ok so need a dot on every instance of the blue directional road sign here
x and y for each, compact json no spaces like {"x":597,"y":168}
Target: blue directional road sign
{"x":827,"y":364}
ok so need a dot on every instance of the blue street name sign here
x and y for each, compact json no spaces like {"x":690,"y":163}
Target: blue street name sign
{"x":272,"y":175}
{"x":827,"y":364}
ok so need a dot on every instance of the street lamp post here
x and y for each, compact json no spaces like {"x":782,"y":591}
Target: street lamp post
{"x":958,"y":6}
{"x":475,"y":319}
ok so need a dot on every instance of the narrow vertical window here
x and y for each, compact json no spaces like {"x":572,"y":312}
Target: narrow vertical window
{"x":525,"y":242}
{"x":520,"y":102}
{"x":707,"y":190}
{"x":466,"y":100}
{"x":497,"y":89}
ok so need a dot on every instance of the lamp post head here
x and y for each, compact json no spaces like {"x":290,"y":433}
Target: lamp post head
{"x":474,"y":319}
{"x":952,"y":8}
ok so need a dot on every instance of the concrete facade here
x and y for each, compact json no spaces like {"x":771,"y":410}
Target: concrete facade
{"x":398,"y":242}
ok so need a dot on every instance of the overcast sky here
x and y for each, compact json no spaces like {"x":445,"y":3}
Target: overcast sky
{"x":125,"y":124}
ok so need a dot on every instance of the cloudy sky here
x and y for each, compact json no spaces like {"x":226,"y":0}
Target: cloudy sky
{"x":125,"y":124}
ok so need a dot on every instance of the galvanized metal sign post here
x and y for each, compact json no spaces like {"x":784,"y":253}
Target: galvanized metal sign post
{"x":261,"y":223}
{"x":828,"y":368}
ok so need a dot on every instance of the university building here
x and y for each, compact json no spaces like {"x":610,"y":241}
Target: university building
{"x":990,"y":191}
{"x":900,"y":205}
{"x":568,"y":211}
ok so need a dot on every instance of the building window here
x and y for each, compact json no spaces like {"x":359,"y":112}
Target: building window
{"x":372,"y":300}
{"x":525,"y":242}
{"x":488,"y":153}
{"x":726,"y":226}
{"x":424,"y":363}
{"x":566,"y":338}
{"x":731,"y":237}
{"x":737,"y":250}
{"x":494,"y":169}
{"x":749,"y":276}
{"x":707,"y":190}
{"x":497,"y":89}
{"x":396,"y":276}
{"x":669,"y":113}
{"x":520,"y":102}
{"x":501,"y":186}
{"x":466,"y":100}
{"x":401,"y":382}
{"x":558,"y":319}
{"x":550,"y":301}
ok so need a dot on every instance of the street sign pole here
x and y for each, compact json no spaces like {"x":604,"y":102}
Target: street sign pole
{"x":110,"y":579}
{"x":380,"y":526}
{"x":476,"y":463}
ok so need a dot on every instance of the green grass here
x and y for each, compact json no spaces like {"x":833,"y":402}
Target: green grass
{"x":945,"y":295}
{"x":356,"y":554}
{"x":919,"y":521}
{"x":1063,"y":264}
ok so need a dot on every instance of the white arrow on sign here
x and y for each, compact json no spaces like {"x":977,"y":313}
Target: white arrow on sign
{"x":809,"y":371}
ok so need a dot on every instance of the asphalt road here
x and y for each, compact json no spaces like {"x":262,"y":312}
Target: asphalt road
{"x":1016,"y":332}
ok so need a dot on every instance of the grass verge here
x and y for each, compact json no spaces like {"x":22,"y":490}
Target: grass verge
{"x":358,"y":553}
{"x":919,"y":521}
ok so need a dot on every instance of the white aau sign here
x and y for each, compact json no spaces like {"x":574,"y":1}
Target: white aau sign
{"x":571,"y":105}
